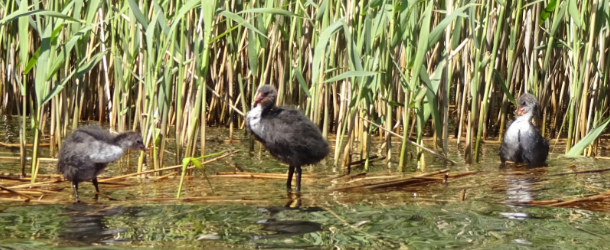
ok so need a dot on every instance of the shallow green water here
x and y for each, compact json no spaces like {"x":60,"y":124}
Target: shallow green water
{"x":259,"y":213}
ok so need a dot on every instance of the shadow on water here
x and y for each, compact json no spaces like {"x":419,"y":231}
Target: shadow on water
{"x":497,"y":206}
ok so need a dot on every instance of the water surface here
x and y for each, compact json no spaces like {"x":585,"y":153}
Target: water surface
{"x":246,"y":213}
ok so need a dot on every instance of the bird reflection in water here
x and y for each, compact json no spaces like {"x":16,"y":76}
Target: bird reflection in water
{"x":87,"y":225}
{"x":287,"y":228}
{"x":521,"y":181}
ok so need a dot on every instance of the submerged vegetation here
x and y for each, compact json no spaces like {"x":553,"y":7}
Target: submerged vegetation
{"x":358,"y":69}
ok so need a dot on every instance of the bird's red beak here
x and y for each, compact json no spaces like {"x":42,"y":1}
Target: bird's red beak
{"x":520,"y":111}
{"x":258,"y":99}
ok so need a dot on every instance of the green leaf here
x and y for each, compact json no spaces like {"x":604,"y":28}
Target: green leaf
{"x":151,"y":38}
{"x":587,"y":140}
{"x":351,"y":74}
{"x":24,"y":44}
{"x":420,"y":94}
{"x":133,"y":6}
{"x":82,"y":70}
{"x":439,"y":30}
{"x":301,"y":81}
{"x":502,"y":83}
{"x":161,"y":19}
{"x":55,"y":33}
{"x":58,"y":62}
{"x":269,"y":11}
{"x":548,"y":10}
{"x":422,"y":45}
{"x":32,"y":61}
{"x":188,"y":6}
{"x":240,"y":21}
{"x":253,"y":52}
{"x":19,"y":13}
{"x":57,"y":88}
{"x":196,"y":162}
{"x":574,"y":14}
{"x":42,"y":66}
{"x":321,"y":48}
{"x":320,"y":11}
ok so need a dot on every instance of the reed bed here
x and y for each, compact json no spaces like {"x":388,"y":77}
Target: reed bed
{"x":441,"y":69}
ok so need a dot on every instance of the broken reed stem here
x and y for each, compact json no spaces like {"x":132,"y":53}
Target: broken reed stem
{"x":560,"y":203}
{"x":583,"y":172}
{"x":166,"y":176}
{"x":38,"y":184}
{"x":16,"y":145}
{"x":207,"y":199}
{"x":27,"y":197}
{"x":105,"y":196}
{"x":255,"y":175}
{"x":32,"y":201}
{"x":419,"y":178}
{"x":167,"y":168}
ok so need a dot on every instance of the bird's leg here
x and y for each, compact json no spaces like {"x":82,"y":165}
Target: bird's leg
{"x":290,"y":173}
{"x":75,"y":188}
{"x":97,"y":189}
{"x":299,"y":171}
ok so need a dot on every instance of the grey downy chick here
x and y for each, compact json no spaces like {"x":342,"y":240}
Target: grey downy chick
{"x":87,"y":151}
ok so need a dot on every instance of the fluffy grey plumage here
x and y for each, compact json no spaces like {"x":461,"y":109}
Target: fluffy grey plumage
{"x":288,"y":135}
{"x":87,"y":152}
{"x":522,"y":142}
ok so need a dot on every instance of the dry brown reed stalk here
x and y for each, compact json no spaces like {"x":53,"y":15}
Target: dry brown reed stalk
{"x":16,"y":145}
{"x":206,"y":199}
{"x":105,"y":196}
{"x":29,"y":192}
{"x":26,"y":196}
{"x":402,"y":181}
{"x":165,"y":176}
{"x":37,"y":184}
{"x":573,"y":202}
{"x":582,"y":172}
{"x":11,"y":158}
{"x":462,"y":174}
{"x":254,"y":175}
{"x":31,"y":201}
{"x":166,"y":168}
{"x":353,"y":180}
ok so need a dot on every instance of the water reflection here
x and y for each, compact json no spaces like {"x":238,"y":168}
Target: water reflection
{"x":286,"y":228}
{"x":87,"y":225}
{"x":521,"y":180}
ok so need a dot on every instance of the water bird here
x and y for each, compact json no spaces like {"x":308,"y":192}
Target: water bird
{"x":87,"y":152}
{"x":288,"y":135}
{"x":522,"y":142}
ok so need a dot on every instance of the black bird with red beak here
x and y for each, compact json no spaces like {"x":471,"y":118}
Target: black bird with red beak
{"x":288,"y":135}
{"x":522,"y":143}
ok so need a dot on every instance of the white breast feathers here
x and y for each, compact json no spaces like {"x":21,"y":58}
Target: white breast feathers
{"x":105,"y":152}
{"x":254,"y":120}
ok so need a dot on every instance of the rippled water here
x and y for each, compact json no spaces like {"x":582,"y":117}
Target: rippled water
{"x":259,"y":213}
